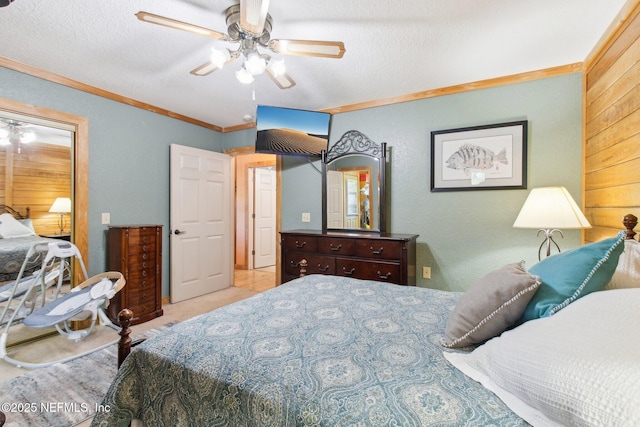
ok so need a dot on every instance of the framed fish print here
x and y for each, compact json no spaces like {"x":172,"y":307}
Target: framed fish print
{"x":489,"y":157}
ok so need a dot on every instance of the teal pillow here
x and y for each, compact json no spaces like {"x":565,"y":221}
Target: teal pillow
{"x":570,"y":275}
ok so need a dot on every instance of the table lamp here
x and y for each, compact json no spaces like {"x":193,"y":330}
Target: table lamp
{"x":549,"y":209}
{"x":61,"y":206}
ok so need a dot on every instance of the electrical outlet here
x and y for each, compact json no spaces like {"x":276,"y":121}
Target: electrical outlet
{"x":306,"y":217}
{"x":426,"y":272}
{"x":106,"y":218}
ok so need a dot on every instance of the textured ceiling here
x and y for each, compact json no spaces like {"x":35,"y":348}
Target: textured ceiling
{"x":393,"y":48}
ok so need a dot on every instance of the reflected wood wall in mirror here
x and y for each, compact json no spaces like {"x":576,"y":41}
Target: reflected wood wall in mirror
{"x":34,"y":174}
{"x":353,"y":184}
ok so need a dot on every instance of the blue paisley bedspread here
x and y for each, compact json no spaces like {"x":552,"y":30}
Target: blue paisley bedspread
{"x":316,"y":351}
{"x":12,"y":255}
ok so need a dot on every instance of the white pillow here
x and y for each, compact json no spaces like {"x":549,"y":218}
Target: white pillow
{"x":627,"y":274}
{"x":11,"y":227}
{"x":579,"y":367}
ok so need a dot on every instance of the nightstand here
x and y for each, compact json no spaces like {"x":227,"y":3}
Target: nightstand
{"x":63,"y":236}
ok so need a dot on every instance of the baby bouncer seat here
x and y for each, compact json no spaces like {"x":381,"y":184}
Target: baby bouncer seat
{"x":85,"y":301}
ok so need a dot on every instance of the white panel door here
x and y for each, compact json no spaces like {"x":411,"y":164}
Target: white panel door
{"x":335,"y":200}
{"x":201,"y":222}
{"x":351,"y":200}
{"x":264,"y":250}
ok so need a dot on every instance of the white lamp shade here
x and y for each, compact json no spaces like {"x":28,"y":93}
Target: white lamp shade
{"x":550,"y":208}
{"x":61,"y":205}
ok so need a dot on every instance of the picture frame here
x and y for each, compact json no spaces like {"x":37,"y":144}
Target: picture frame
{"x":487,"y":157}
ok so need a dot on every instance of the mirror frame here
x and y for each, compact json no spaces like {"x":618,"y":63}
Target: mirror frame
{"x":80,"y":169}
{"x":352,"y":143}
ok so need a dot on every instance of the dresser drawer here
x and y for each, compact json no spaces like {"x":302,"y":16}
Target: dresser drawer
{"x":316,"y":264}
{"x":136,"y":273}
{"x":142,"y":259}
{"x":381,"y":249}
{"x":301,"y":243}
{"x":142,"y":236}
{"x":336,"y":246}
{"x":360,"y":269}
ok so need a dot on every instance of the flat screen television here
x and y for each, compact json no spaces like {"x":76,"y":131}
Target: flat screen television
{"x":288,"y":131}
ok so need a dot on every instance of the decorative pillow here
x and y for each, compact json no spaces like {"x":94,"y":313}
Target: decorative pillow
{"x":627,"y":274}
{"x":579,"y":367}
{"x":11,"y":227}
{"x":490,"y":306}
{"x":570,"y":275}
{"x":28,"y":222}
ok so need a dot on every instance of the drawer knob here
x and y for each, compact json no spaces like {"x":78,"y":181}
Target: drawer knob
{"x":376,"y":252}
{"x":384,"y":276}
{"x":350,"y":272}
{"x":144,"y":273}
{"x":144,"y":283}
{"x":335,"y":248}
{"x":300,"y":245}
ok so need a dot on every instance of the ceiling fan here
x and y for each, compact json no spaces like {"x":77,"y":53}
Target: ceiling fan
{"x":249,"y":24}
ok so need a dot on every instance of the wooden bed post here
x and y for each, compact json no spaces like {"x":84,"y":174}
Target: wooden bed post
{"x":630,"y":222}
{"x":124,"y":345}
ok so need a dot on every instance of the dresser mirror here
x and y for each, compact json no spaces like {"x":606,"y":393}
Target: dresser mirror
{"x":353,"y":184}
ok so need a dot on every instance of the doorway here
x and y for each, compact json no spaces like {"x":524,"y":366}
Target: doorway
{"x":246,"y":160}
{"x":262,"y":217}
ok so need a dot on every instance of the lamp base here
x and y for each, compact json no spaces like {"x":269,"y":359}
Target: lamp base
{"x":548,"y":240}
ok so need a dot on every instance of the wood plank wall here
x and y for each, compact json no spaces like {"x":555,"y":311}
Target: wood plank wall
{"x":612,"y":128}
{"x":34,"y":178}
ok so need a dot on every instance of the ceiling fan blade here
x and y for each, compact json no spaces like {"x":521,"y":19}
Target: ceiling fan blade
{"x":179,"y":25}
{"x":282,"y":80}
{"x":205,"y":69}
{"x":209,"y":67}
{"x":323,"y":49}
{"x":253,"y":14}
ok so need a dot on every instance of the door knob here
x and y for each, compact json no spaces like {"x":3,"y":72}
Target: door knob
{"x":179,"y":232}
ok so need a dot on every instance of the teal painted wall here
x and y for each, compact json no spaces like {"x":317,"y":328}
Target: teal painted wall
{"x":128,"y":158}
{"x":463,"y":235}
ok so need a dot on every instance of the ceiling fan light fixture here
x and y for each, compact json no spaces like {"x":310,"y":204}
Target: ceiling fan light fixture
{"x":277,"y":67}
{"x":4,"y":134}
{"x":219,"y":57}
{"x":244,"y":76}
{"x":5,"y":141}
{"x":255,"y":63}
{"x":28,"y":137}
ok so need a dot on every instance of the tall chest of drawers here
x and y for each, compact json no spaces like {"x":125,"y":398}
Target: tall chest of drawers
{"x":136,"y":252}
{"x":384,"y":257}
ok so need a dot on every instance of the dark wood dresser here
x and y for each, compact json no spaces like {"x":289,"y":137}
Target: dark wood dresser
{"x":136,"y":252}
{"x":385,"y":257}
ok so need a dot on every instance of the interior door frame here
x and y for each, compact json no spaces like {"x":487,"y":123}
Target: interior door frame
{"x":234,"y":152}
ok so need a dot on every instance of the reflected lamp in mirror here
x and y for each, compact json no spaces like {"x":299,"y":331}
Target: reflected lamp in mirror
{"x":61,"y":206}
{"x":549,"y":209}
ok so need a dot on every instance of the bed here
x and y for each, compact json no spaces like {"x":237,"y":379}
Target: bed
{"x":335,"y":351}
{"x":17,"y":235}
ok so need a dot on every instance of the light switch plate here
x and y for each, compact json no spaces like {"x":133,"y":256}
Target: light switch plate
{"x":306,"y":217}
{"x":106,"y":218}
